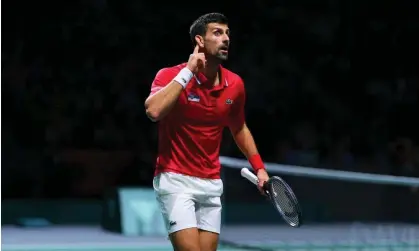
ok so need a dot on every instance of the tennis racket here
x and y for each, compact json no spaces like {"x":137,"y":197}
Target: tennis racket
{"x":281,"y":196}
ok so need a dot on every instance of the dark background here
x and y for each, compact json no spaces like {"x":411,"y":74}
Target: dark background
{"x":330,"y":84}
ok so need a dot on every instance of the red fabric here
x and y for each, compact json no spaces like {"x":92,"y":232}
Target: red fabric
{"x":190,"y":135}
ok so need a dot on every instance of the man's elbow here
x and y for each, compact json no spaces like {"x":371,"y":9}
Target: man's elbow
{"x":237,"y":129}
{"x":152,"y":113}
{"x":153,"y":116}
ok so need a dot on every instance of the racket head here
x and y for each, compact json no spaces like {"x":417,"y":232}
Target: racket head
{"x":284,"y":200}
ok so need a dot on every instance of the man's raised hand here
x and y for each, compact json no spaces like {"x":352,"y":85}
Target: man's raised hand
{"x":196,"y":61}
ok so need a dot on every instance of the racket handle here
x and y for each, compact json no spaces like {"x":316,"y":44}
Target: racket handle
{"x":246,"y":173}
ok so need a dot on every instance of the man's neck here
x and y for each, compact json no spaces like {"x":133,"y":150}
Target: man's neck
{"x":211,"y":70}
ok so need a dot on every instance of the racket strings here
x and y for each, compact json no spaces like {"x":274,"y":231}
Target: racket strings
{"x":284,"y":202}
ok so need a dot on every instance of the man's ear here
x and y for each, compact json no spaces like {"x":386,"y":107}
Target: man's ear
{"x":199,"y":41}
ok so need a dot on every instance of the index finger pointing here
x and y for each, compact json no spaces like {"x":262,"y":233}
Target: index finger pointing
{"x":196,"y":50}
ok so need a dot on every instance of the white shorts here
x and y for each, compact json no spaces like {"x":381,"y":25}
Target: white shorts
{"x":187,"y":201}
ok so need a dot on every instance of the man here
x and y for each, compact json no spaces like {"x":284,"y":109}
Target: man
{"x":193,"y":102}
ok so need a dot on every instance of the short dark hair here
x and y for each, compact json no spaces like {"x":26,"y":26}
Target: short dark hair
{"x":199,"y":26}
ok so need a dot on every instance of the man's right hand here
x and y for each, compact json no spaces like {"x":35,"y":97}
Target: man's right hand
{"x":196,"y":61}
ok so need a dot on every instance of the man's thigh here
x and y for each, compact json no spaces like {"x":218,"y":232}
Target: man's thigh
{"x":186,"y":240}
{"x":208,"y":241}
{"x":208,"y":216}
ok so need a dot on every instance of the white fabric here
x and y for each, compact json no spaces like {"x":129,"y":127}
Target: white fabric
{"x":187,"y":201}
{"x":184,"y":76}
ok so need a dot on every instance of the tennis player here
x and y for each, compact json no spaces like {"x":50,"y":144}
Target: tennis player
{"x":193,"y":102}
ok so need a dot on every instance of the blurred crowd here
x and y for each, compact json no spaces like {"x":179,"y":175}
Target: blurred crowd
{"x":332,"y":85}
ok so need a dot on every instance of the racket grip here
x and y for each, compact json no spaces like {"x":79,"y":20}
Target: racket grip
{"x":246,"y":173}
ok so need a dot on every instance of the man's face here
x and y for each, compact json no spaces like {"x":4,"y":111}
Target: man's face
{"x":216,"y":40}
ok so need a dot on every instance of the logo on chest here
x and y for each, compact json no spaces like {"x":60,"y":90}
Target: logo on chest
{"x":193,"y":97}
{"x":229,"y":101}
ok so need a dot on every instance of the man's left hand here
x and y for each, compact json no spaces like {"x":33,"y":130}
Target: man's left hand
{"x":262,"y":178}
